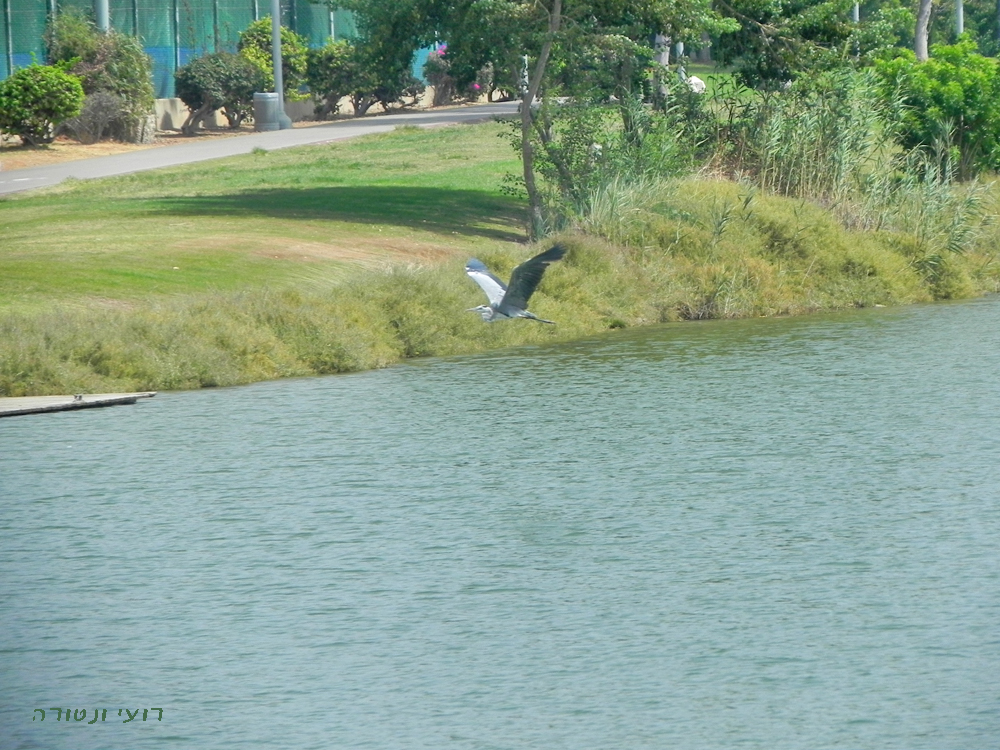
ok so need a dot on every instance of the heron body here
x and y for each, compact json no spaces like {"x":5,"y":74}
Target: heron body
{"x":511,"y":301}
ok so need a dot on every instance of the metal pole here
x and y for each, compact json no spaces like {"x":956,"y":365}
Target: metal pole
{"x":959,"y":18}
{"x":215,"y":25}
{"x":8,"y":36}
{"x":856,"y":13}
{"x":101,"y":11}
{"x":177,"y":37}
{"x":276,"y":50}
{"x":283,"y":122}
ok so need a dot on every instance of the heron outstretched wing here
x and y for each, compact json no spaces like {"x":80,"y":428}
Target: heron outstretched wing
{"x":494,"y":288}
{"x":527,"y":276}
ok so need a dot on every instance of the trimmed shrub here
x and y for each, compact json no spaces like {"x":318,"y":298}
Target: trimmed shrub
{"x":36,"y":99}
{"x":221,"y":80}
{"x":331,"y":74}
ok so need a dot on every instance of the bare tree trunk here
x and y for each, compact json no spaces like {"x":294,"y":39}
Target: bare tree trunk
{"x":196,"y":118}
{"x":527,"y":156}
{"x":923,"y":26}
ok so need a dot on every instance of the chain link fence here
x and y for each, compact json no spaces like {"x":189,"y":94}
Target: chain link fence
{"x":173,"y":32}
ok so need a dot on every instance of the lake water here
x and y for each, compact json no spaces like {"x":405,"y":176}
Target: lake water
{"x":755,"y":534}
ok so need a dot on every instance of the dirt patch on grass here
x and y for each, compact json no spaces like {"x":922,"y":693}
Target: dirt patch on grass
{"x":356,"y":250}
{"x":360,"y":250}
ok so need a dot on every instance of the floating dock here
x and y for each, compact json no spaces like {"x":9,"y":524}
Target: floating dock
{"x":14,"y":407}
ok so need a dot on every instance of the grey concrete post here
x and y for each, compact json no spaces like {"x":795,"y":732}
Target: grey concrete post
{"x":103,"y":17}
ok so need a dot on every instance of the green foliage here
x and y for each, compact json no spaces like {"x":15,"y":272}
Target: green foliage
{"x":883,"y":27}
{"x":777,"y":40}
{"x":600,"y":66}
{"x":952,"y":103}
{"x":221,"y":80}
{"x":71,"y":34}
{"x":113,"y":63}
{"x":489,"y":35}
{"x":980,"y":25}
{"x":255,"y":45}
{"x":818,"y":140}
{"x":580,"y":147}
{"x":389,"y":34}
{"x":332,"y":74}
{"x":36,"y":99}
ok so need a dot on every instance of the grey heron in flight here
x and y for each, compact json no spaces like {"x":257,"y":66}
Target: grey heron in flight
{"x":508,"y":302}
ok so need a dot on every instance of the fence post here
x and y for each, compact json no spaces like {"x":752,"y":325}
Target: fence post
{"x":8,"y":36}
{"x":177,"y":36}
{"x":215,"y":25}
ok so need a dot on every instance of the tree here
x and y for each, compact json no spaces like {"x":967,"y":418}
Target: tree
{"x":221,"y":80}
{"x":331,"y":75}
{"x":255,"y":45}
{"x":777,"y":40}
{"x":923,"y":29}
{"x":35,"y":99}
{"x":389,"y":34}
{"x":952,"y":103}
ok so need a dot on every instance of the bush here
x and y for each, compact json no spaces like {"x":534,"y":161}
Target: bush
{"x":34,"y":100}
{"x":100,"y":111}
{"x":581,"y":147}
{"x":331,"y":74}
{"x":218,"y":81}
{"x":952,"y":103}
{"x":112,"y":63}
{"x":255,"y":46}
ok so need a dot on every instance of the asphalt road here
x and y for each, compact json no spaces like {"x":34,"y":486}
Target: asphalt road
{"x":19,"y":180}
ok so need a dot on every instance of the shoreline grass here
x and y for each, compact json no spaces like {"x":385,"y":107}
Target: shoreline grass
{"x":349,"y":256}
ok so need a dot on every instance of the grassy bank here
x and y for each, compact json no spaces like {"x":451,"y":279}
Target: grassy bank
{"x":349,"y":256}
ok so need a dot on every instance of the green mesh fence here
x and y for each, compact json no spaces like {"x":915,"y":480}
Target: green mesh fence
{"x":172,"y":31}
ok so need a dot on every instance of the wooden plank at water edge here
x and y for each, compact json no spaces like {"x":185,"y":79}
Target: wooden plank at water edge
{"x":16,"y":406}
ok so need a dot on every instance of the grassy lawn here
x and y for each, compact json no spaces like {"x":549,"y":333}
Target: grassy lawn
{"x":265,"y":219}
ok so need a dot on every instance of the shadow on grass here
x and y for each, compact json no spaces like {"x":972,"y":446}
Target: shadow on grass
{"x":465,"y":212}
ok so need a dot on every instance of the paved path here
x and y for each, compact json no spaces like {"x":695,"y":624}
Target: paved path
{"x":167,"y":156}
